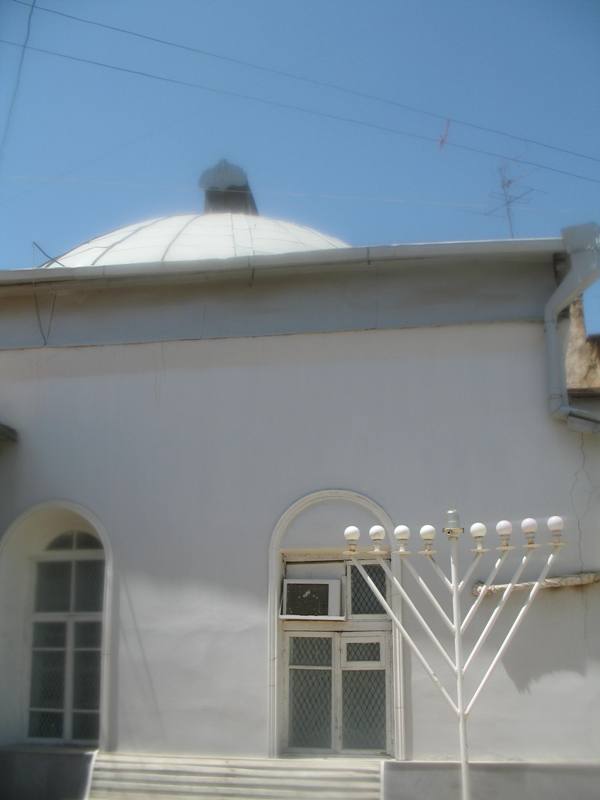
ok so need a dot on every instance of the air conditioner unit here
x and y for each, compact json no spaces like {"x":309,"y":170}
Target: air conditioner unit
{"x":311,"y":598}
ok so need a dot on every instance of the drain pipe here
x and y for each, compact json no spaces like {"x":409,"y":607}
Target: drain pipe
{"x":582,"y":243}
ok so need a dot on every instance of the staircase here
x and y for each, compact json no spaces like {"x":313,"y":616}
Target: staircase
{"x":123,"y":776}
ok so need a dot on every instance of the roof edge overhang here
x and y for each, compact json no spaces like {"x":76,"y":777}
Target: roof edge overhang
{"x":335,"y":259}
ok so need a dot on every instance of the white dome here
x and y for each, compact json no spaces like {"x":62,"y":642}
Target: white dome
{"x":195,"y":237}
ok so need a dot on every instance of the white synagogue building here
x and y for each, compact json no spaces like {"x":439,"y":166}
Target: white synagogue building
{"x":194,"y":409}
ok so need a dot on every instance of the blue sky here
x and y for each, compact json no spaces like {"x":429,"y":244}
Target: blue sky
{"x":90,"y":149}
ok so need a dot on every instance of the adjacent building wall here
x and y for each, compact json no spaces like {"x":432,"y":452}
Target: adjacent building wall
{"x":188,"y":453}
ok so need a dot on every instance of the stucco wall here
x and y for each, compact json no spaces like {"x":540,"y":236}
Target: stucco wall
{"x":417,"y":291}
{"x":188,"y":452}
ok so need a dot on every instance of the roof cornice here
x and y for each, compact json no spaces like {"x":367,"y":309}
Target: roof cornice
{"x":338,"y":258}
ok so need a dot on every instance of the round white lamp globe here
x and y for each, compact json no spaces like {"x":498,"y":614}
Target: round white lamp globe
{"x":478,"y":530}
{"x":504,"y":527}
{"x":427,"y":533}
{"x":377,"y":533}
{"x":352,"y":533}
{"x":555,"y":524}
{"x":402,"y":533}
{"x":529,"y":525}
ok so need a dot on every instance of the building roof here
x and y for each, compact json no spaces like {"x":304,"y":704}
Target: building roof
{"x":195,"y":237}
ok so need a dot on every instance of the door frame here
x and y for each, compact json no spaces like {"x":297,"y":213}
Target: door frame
{"x":274,"y":652}
{"x":338,"y":665}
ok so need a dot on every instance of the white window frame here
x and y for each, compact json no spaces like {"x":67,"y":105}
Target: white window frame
{"x":288,"y":668}
{"x":363,"y":638}
{"x":69,"y":618}
{"x":348,"y":599}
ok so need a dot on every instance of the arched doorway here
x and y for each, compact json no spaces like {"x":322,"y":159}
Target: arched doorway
{"x":344,"y":505}
{"x":54,"y":598}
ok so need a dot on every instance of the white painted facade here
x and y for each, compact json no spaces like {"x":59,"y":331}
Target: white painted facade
{"x":197,"y":462}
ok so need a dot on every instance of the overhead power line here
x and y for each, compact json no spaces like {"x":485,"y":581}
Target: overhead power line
{"x":303,"y":110}
{"x":315,"y":82}
{"x":179,"y":186}
{"x":13,"y":99}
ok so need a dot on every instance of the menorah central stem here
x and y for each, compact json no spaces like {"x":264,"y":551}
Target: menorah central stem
{"x":458,"y":657}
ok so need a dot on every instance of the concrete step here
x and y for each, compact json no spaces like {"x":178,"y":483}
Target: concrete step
{"x":130,"y":776}
{"x":285,"y":763}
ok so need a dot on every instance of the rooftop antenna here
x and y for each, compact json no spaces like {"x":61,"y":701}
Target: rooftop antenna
{"x":507,"y":186}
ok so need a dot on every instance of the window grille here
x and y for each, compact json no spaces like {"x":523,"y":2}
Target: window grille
{"x":362,"y":599}
{"x":337,"y":690}
{"x":310,"y":686}
{"x":310,"y":651}
{"x":310,"y":708}
{"x":363,"y":651}
{"x":363,"y":709}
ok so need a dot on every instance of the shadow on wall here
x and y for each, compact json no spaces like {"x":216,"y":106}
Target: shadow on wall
{"x":561,"y":635}
{"x":135,"y":654}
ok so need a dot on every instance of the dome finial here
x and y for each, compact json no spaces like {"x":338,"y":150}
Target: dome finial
{"x":226,"y":188}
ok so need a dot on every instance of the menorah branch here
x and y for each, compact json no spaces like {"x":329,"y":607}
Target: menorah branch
{"x":439,"y":572}
{"x":405,"y":635}
{"x":407,"y":599}
{"x":513,"y":629}
{"x":498,"y":610}
{"x":471,"y":569}
{"x":484,"y":588}
{"x":434,"y":601}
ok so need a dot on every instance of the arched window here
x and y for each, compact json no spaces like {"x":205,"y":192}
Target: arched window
{"x":64,"y":698}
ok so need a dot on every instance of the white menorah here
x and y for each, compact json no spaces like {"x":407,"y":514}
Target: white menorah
{"x":455,"y":586}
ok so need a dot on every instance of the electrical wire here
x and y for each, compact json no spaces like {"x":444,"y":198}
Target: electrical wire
{"x":301,"y":109}
{"x":90,"y":161}
{"x":13,"y":99}
{"x":384,"y":199}
{"x":315,"y":82}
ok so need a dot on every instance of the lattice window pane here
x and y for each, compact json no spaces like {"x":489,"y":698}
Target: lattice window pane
{"x":45,"y":725}
{"x":88,"y":634}
{"x":310,"y":651}
{"x":310,"y":708}
{"x":89,"y":585}
{"x":363,"y":601}
{"x":86,"y":726}
{"x":363,"y":709}
{"x":53,"y":586}
{"x":49,"y":634}
{"x":86,"y":679}
{"x":363,"y":651}
{"x":47,"y":679}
